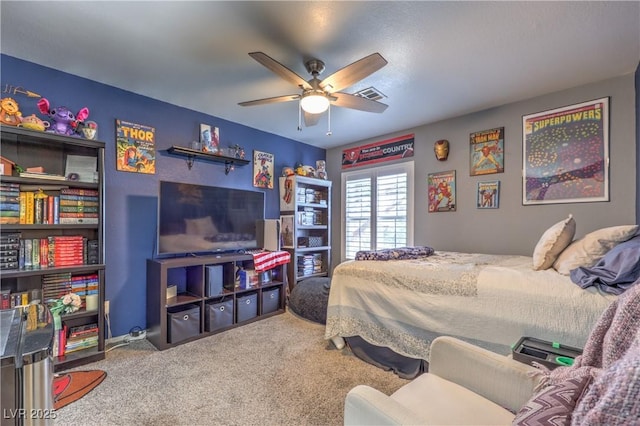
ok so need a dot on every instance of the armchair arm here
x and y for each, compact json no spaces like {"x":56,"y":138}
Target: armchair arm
{"x":365,"y":406}
{"x":498,"y":378}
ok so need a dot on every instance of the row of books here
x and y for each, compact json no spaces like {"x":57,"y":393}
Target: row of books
{"x":17,"y":253}
{"x":9,"y":250}
{"x":69,"y":206}
{"x":54,"y":286}
{"x":10,"y":300}
{"x":9,"y":197}
{"x":310,"y":264}
{"x":71,"y":339}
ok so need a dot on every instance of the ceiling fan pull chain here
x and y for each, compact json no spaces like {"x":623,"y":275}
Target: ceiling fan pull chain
{"x":300,"y":115}
{"x":329,"y":121}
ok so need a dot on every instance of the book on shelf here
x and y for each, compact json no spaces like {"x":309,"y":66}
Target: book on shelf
{"x":79,"y":220}
{"x":68,"y":192}
{"x":42,"y":175}
{"x":93,"y":201}
{"x":78,"y":208}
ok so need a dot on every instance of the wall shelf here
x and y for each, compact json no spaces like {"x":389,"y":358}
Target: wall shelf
{"x":192,"y":154}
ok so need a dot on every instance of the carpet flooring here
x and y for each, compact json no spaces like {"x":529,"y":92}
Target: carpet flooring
{"x":277,"y":371}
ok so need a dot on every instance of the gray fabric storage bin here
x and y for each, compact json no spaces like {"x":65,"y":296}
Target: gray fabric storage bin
{"x":247,"y":307}
{"x":183,"y":323}
{"x":270,"y":300}
{"x":218,"y":315}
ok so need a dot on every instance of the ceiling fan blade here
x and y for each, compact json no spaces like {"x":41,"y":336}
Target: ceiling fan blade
{"x":353,"y":73}
{"x":311,"y":119}
{"x":280,"y":69}
{"x":347,"y":100}
{"x":273,"y":100}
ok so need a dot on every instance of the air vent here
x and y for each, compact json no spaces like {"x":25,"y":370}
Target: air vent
{"x":370,"y":93}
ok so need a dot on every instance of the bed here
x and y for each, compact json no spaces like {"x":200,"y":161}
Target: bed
{"x":488,"y":300}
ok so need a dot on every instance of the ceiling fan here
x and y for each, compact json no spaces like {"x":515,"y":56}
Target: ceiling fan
{"x":318,"y":94}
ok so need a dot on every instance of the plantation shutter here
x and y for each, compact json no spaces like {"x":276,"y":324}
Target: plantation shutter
{"x":377,"y":209}
{"x":391,"y":211}
{"x":357,"y":215}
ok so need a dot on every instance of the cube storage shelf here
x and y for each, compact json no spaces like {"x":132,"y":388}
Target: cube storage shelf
{"x":209,"y":299}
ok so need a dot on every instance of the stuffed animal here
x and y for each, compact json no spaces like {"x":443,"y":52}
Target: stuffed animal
{"x":10,"y":112}
{"x":63,"y":122}
{"x":32,"y":122}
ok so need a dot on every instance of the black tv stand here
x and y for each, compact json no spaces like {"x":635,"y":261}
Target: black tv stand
{"x":188,"y":274}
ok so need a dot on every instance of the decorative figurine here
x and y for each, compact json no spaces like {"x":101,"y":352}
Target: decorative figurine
{"x":10,"y":112}
{"x":33,"y":122}
{"x":441,"y":148}
{"x":321,"y":172}
{"x":287,"y":171}
{"x":89,"y":130}
{"x":63,"y":120}
{"x":238,"y":151}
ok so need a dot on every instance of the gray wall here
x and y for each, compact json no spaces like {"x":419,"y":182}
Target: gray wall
{"x":513,"y":228}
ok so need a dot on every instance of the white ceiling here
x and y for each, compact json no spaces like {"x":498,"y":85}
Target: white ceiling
{"x":445,"y":58}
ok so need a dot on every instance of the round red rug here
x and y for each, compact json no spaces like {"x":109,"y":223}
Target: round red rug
{"x":70,"y":387}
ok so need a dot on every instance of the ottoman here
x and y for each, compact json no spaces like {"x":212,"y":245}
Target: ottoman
{"x":309,"y":298}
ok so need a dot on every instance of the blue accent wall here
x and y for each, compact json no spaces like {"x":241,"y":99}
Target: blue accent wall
{"x":131,"y":198}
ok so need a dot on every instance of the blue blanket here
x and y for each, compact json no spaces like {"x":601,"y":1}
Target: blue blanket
{"x":618,"y":270}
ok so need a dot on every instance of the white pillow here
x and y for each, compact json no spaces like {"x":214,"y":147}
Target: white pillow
{"x":203,"y":227}
{"x":588,"y":250}
{"x":552,"y":242}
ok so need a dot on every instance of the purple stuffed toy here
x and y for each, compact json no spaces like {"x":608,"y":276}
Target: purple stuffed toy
{"x":63,"y":122}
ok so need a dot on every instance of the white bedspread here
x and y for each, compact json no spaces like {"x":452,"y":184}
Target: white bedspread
{"x":489,"y":300}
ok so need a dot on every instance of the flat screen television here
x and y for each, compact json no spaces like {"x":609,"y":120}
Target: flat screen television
{"x":198,"y":218}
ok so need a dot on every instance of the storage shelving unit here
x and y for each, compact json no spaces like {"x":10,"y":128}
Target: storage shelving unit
{"x":187,"y":316}
{"x":28,"y":148}
{"x":308,"y":201}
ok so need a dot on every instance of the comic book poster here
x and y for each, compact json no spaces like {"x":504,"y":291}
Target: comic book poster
{"x":566,"y":154}
{"x":487,"y":152}
{"x":442,"y":191}
{"x":135,"y":148}
{"x":262,"y":169}
{"x":210,"y":139}
{"x":488,"y":196}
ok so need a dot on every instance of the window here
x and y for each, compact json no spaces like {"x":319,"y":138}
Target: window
{"x":377,"y":206}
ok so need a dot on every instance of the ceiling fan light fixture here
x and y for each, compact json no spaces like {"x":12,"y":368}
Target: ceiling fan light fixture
{"x":314,"y":103}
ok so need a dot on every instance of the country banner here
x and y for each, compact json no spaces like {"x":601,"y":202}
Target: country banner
{"x":377,"y":152}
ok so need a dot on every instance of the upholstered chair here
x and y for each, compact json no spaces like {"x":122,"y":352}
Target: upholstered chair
{"x":465,"y":385}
